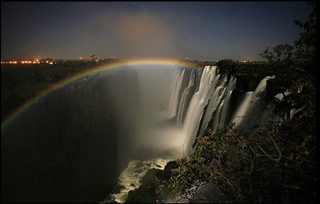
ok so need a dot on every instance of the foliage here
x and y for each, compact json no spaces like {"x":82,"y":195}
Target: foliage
{"x":280,"y":54}
{"x":274,"y":164}
{"x":227,"y":66}
{"x":301,"y":54}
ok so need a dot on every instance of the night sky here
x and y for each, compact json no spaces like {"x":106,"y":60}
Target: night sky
{"x":202,"y":31}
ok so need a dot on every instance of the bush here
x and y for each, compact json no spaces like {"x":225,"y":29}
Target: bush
{"x":274,"y":164}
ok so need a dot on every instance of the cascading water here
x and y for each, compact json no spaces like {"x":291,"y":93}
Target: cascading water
{"x":217,"y":115}
{"x":211,"y":102}
{"x":226,"y":105}
{"x":184,"y":132}
{"x":196,"y":107}
{"x":131,"y":176}
{"x":243,"y":109}
{"x":212,"y":106}
{"x":248,"y":112}
{"x":173,"y":104}
{"x":225,"y":109}
{"x":184,"y":96}
{"x":222,"y":112}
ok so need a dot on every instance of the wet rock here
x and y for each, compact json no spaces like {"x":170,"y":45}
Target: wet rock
{"x":139,"y":165}
{"x":149,"y":191}
{"x":138,"y":171}
{"x":209,"y":193}
{"x":273,"y":88}
{"x":242,"y":83}
{"x":165,"y":174}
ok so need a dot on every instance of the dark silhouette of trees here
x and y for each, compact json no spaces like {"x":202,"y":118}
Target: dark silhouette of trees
{"x":301,"y":54}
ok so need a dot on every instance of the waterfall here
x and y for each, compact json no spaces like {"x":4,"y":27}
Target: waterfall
{"x":217,"y":115}
{"x":196,"y":107}
{"x":213,"y":104}
{"x":210,"y":102}
{"x":195,"y":103}
{"x":247,"y":112}
{"x":184,"y":97}
{"x":262,"y":86}
{"x":225,"y":109}
{"x":215,"y":100}
{"x":243,"y":109}
{"x":226,"y":105}
{"x":178,"y":77}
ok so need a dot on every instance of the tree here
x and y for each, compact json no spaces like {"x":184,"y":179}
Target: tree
{"x":227,"y":65}
{"x":305,"y":46}
{"x":280,"y":54}
{"x":302,"y":54}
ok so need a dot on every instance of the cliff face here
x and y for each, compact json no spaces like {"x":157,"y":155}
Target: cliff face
{"x":65,"y":147}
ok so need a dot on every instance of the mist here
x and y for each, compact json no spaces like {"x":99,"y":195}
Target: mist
{"x":72,"y":144}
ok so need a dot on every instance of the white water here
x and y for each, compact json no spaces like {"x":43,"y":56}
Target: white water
{"x":217,"y":116}
{"x":196,"y":107}
{"x":243,"y":109}
{"x":215,"y":100}
{"x":130,"y":178}
{"x":184,"y":98}
{"x":175,"y":93}
{"x":226,"y":104}
{"x":244,"y":114}
{"x":212,"y":106}
{"x":220,"y":114}
{"x":210,"y":102}
{"x":224,"y":111}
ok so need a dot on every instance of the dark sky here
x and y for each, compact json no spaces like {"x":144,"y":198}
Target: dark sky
{"x":203,"y":31}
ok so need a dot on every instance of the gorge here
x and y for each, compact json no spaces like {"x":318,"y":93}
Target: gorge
{"x":72,"y":144}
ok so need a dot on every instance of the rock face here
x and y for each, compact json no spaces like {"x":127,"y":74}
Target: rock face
{"x":65,"y":147}
{"x":146,"y":193}
{"x":209,"y":193}
{"x":149,"y":191}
